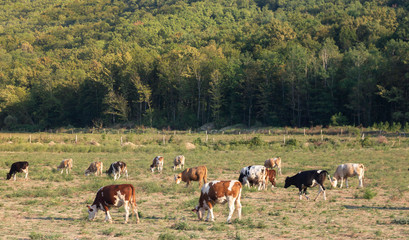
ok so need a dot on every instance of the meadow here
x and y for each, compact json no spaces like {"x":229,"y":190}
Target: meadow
{"x":51,"y":205}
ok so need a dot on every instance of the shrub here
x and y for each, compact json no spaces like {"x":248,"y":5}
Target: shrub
{"x":256,"y":142}
{"x":369,"y":194}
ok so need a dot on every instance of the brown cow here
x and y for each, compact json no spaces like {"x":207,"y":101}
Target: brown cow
{"x":114,"y":196}
{"x":95,"y":168}
{"x":192,"y":174}
{"x":179,"y":161}
{"x":271,"y":176}
{"x":219,"y":192}
{"x":272,"y":163}
{"x":65,"y":164}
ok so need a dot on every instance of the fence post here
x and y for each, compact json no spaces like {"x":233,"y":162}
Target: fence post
{"x":164,"y":140}
{"x":304,"y":131}
{"x":207,"y":136}
{"x":121,"y":141}
{"x":76,"y":138}
{"x":322,"y":136}
{"x":284,"y":139}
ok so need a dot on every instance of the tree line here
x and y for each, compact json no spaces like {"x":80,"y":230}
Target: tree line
{"x":185,"y":63}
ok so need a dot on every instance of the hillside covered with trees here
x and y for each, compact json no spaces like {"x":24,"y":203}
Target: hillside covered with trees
{"x":182,"y":63}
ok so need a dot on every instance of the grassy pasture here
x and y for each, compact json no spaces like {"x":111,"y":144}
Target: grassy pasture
{"x":52,"y":206}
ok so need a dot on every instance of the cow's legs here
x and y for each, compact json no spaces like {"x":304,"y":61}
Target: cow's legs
{"x":62,"y":170}
{"x":26,"y":174}
{"x":126,"y":206}
{"x":14,"y":177}
{"x":108,"y":217}
{"x":342,"y":181}
{"x":360,"y":181}
{"x":346,"y":182}
{"x":135,"y":211}
{"x":231,"y":201}
{"x":188,"y":182}
{"x":319,"y":191}
{"x":279,"y":170}
{"x":126,"y":174}
{"x":238,"y":205}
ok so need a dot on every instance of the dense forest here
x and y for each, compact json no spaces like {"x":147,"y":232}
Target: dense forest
{"x":184,"y":63}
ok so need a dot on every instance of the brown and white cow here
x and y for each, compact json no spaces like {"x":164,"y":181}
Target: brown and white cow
{"x":157,"y":163}
{"x":95,"y":168}
{"x":116,"y":169}
{"x":65,"y":164}
{"x":114,"y":196}
{"x":272,"y":163}
{"x":179,"y":161}
{"x":219,"y":192}
{"x":344,"y":171}
{"x":271,"y":176}
{"x":192,"y":174}
{"x":18,"y":167}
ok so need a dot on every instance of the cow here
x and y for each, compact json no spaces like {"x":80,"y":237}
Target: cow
{"x":95,"y":168}
{"x":219,"y":192}
{"x":157,"y":163}
{"x":253,"y":175}
{"x":116,"y":169}
{"x":114,"y":196}
{"x":192,"y":174}
{"x":179,"y":161}
{"x":344,"y":171}
{"x":18,"y":167}
{"x":272,"y":163}
{"x":65,"y":164}
{"x":271,"y":176}
{"x":306,"y":179}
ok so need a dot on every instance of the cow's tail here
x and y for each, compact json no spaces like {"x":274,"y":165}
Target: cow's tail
{"x":205,"y":175}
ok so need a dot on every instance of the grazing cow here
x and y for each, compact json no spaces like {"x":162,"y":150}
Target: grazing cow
{"x":306,"y":179}
{"x":272,"y":163}
{"x":219,"y":192}
{"x":157,"y":163}
{"x":18,"y":167}
{"x":65,"y":164}
{"x":271,"y":176}
{"x":95,"y":168}
{"x":114,"y":196}
{"x":118,"y":168}
{"x":344,"y":171}
{"x":253,"y":175}
{"x":179,"y":161}
{"x":192,"y":174}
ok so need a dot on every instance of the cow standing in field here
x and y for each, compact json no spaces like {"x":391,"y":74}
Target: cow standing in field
{"x":219,"y":192}
{"x":95,"y":168}
{"x":306,"y":179}
{"x":114,"y":196}
{"x":272,"y":163}
{"x":65,"y":164}
{"x":116,"y":169}
{"x":271,"y":176}
{"x":18,"y":167}
{"x":157,"y":163}
{"x":192,"y":174}
{"x":179,"y":161}
{"x":344,"y":171}
{"x":253,"y":175}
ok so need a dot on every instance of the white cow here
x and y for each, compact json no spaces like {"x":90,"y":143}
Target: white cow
{"x":344,"y":171}
{"x":253,"y":175}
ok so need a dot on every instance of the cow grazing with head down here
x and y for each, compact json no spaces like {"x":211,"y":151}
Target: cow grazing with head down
{"x":253,"y":175}
{"x":344,"y":171}
{"x":18,"y":167}
{"x":306,"y":179}
{"x":116,"y":169}
{"x":157,"y":163}
{"x":192,"y":174}
{"x":95,"y":168}
{"x":114,"y":196}
{"x":271,"y":176}
{"x":179,"y":161}
{"x":219,"y":192}
{"x":65,"y":164}
{"x":272,"y":163}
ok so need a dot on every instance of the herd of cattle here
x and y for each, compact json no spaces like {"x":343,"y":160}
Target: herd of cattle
{"x":211,"y":193}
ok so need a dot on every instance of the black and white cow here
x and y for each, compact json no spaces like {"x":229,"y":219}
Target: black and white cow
{"x":253,"y":175}
{"x":116,"y":169}
{"x":114,"y":196}
{"x":18,"y":167}
{"x":306,"y":179}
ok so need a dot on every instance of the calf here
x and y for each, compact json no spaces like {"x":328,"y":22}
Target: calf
{"x":65,"y":164}
{"x":272,"y":163}
{"x":344,"y":171}
{"x":303,"y":180}
{"x":118,"y":168}
{"x":114,"y":196}
{"x":192,"y":174}
{"x":219,"y":192}
{"x":271,"y":176}
{"x":253,"y":175}
{"x":18,"y":167}
{"x":157,"y":163}
{"x":179,"y":161}
{"x":95,"y":168}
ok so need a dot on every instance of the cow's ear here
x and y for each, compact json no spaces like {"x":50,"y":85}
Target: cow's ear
{"x":194,"y":210}
{"x":89,"y":208}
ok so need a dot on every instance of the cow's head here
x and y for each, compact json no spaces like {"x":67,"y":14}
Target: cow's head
{"x":92,"y":212}
{"x":288,"y":182}
{"x":8,"y":176}
{"x":87,"y":172}
{"x":199,"y":211}
{"x":178,"y":178}
{"x":334,"y":182}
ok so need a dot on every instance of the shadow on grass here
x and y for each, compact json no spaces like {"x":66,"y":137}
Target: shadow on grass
{"x":52,"y":218}
{"x":379,"y":208}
